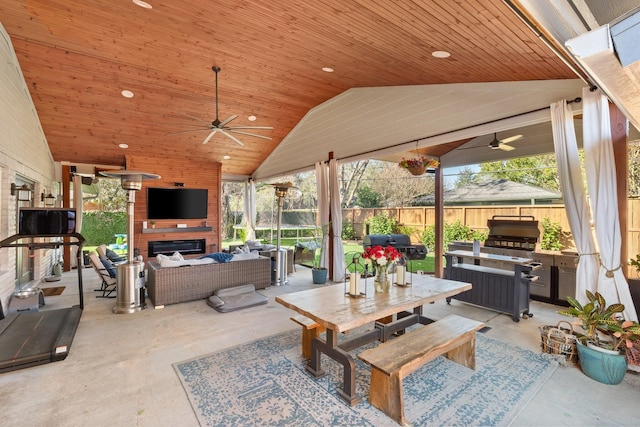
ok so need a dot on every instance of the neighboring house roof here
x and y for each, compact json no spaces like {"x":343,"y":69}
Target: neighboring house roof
{"x":498,"y":190}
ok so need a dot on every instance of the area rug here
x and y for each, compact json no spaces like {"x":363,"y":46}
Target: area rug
{"x":52,"y":291}
{"x":264,"y":383}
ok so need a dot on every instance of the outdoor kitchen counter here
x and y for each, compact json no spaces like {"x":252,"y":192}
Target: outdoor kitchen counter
{"x":500,"y":289}
{"x":493,"y":257}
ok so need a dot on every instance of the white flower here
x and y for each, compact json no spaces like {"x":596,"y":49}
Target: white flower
{"x":382,"y":260}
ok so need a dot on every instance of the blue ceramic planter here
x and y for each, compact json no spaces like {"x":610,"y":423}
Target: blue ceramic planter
{"x":602,"y":367}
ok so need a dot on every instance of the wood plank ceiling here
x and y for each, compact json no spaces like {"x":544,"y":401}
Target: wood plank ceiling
{"x":78,"y":56}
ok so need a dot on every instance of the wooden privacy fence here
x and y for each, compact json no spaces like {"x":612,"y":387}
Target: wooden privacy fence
{"x":475,"y":217}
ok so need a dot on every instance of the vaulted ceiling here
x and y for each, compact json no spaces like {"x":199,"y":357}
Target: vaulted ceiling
{"x":77,"y":57}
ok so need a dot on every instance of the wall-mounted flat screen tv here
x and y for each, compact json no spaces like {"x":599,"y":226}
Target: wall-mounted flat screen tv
{"x":177,"y":203}
{"x":46,"y":221}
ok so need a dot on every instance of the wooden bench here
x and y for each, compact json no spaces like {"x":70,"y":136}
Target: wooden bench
{"x":393,"y":360}
{"x":310,"y":330}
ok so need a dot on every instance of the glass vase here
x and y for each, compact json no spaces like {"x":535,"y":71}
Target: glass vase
{"x":381,"y":281}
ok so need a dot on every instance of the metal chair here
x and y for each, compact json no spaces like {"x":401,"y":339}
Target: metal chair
{"x":108,"y":283}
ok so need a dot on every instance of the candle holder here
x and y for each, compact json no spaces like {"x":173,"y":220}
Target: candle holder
{"x":355,"y":278}
{"x":401,"y":275}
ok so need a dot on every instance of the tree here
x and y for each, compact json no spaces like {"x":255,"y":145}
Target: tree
{"x":366,"y":198}
{"x":539,"y":171}
{"x":111,"y":197}
{"x":634,"y":169}
{"x":351,"y":175}
{"x":466,"y":176}
{"x":396,"y":186}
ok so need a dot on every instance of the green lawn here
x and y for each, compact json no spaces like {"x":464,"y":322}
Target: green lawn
{"x":350,"y":249}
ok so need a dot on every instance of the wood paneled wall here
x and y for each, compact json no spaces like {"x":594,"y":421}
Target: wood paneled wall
{"x":192,"y":173}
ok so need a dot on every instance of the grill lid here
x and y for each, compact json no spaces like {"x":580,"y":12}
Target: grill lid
{"x":512,"y":231}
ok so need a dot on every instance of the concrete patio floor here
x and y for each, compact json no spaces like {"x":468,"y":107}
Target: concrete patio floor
{"x":119,"y":371}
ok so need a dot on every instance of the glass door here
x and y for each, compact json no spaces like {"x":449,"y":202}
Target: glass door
{"x":24,"y":255}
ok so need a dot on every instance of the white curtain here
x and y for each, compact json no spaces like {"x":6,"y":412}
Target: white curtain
{"x":336,"y":222}
{"x":77,"y":204}
{"x":322,"y":184}
{"x":573,"y":193}
{"x":601,"y":179}
{"x":250,"y":209}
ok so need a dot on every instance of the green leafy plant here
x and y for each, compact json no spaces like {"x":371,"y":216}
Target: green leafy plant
{"x":348,"y":232}
{"x":383,"y":224}
{"x":452,"y":232}
{"x":596,"y":317}
{"x":551,"y":235}
{"x":635,"y":263}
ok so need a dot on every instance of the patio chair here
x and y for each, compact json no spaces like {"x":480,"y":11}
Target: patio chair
{"x":107,"y":277}
{"x":105,"y":252}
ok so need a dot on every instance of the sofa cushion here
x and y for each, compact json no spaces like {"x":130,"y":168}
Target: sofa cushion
{"x":245,"y":256}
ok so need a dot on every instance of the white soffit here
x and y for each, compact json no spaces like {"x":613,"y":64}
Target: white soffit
{"x":363,"y":123}
{"x":594,"y":52}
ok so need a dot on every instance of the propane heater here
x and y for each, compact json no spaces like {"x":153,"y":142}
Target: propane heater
{"x":281,"y":254}
{"x":130,"y":275}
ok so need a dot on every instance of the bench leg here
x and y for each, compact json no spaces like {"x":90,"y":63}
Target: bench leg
{"x":385,"y":393}
{"x":308,"y":336}
{"x":465,"y":353}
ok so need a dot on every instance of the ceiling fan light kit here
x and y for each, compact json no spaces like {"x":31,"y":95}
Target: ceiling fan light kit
{"x":502,"y":144}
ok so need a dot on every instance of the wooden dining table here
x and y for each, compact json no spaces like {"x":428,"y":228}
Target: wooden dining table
{"x":331,"y":307}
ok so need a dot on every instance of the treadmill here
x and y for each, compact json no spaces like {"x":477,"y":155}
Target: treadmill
{"x":30,"y":338}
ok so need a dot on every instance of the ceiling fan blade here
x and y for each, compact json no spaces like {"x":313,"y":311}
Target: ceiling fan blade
{"x":505,"y":147}
{"x":228,"y":135}
{"x":250,"y":127}
{"x":248,"y":134}
{"x":231,"y":117}
{"x":511,"y":139}
{"x":208,"y":138}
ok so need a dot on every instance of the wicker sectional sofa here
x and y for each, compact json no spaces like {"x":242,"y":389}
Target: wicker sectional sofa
{"x":171,"y":285}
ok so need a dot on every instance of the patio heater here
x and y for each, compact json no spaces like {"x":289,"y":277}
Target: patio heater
{"x":130,"y":279}
{"x":281,"y":254}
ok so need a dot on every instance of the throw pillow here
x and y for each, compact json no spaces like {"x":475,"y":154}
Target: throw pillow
{"x":218,"y":256}
{"x":108,"y":265}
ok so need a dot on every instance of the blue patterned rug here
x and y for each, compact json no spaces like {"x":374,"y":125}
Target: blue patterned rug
{"x":264,"y":383}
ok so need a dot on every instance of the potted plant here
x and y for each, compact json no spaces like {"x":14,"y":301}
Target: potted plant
{"x":418,"y":165}
{"x":606,"y":336}
{"x":318,"y":273}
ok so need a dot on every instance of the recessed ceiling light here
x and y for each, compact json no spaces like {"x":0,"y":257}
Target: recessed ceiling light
{"x":123,"y":145}
{"x":127,"y":93}
{"x":252,"y":118}
{"x":327,"y":69}
{"x":441,"y":54}
{"x":142,"y":4}
{"x":226,"y":157}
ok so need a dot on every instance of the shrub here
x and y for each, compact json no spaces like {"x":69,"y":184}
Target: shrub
{"x":99,"y":227}
{"x":382,"y":224}
{"x":452,"y":233}
{"x":348,"y":232}
{"x":551,"y":235}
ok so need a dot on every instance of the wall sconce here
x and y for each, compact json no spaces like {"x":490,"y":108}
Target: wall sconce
{"x":49,"y":200}
{"x":24,"y":192}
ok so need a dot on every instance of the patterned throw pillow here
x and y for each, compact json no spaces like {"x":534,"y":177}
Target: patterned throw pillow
{"x":218,"y":256}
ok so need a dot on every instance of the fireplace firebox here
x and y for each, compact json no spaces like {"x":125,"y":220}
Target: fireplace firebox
{"x":185,"y":247}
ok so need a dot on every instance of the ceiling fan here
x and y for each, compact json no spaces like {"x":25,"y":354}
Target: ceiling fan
{"x":221,"y":126}
{"x":502,"y":144}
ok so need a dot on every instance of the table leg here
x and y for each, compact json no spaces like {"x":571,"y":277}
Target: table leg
{"x":331,"y":349}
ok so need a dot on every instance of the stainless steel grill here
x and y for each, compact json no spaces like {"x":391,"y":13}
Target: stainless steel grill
{"x":401,"y":242}
{"x":512,"y":232}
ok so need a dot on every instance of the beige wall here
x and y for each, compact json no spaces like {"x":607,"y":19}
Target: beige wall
{"x":23,"y":152}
